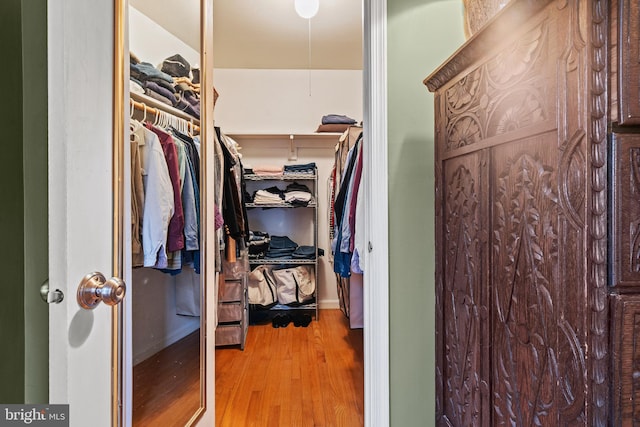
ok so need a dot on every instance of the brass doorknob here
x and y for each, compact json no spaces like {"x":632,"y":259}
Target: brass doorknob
{"x":95,"y":288}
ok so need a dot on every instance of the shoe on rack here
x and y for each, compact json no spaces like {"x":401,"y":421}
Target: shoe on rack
{"x":280,"y":320}
{"x":285,"y":319}
{"x":302,"y":320}
{"x":275,"y":321}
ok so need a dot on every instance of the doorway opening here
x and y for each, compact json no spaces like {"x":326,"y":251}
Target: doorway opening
{"x":374,"y":106}
{"x":272,"y":106}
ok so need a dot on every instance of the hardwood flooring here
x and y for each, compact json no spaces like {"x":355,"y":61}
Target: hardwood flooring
{"x":293,"y":377}
{"x":285,"y":377}
{"x":166,"y":386}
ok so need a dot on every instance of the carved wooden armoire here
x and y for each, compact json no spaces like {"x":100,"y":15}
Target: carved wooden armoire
{"x":538,"y":218}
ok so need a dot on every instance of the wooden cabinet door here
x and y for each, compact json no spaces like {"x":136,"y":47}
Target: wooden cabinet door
{"x":521,"y":216}
{"x":625,"y":211}
{"x":462,"y":301}
{"x":629,"y":62}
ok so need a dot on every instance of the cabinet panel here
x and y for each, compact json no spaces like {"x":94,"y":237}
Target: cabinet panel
{"x":538,"y":322}
{"x":463,"y":370}
{"x":625,"y":340}
{"x":629,"y":62}
{"x":625,"y":215}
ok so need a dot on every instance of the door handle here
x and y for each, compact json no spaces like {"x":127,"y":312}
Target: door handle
{"x":53,"y":297}
{"x":94,"y":288}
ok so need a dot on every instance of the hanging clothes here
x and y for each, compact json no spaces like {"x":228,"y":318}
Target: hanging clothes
{"x":175,"y":237}
{"x":158,"y":197}
{"x":347,"y":220}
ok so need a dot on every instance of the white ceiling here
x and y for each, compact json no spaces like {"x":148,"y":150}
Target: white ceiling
{"x":268,"y":33}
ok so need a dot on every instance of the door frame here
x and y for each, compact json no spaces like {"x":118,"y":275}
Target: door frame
{"x":376,"y":277}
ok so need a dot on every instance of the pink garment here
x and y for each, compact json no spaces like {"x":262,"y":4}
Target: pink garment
{"x":218,"y":220}
{"x":268,"y":170}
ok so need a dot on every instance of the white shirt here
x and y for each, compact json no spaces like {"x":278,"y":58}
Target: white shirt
{"x":158,"y":198}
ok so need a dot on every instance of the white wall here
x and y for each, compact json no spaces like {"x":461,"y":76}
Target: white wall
{"x":155,"y":322}
{"x":152,"y":43}
{"x":284,"y":101}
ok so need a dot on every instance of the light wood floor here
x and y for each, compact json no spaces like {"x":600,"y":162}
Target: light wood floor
{"x":285,"y":377}
{"x":166,"y":386}
{"x":293,"y":377}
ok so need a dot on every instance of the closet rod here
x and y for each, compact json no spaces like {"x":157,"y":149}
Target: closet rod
{"x":142,"y":102}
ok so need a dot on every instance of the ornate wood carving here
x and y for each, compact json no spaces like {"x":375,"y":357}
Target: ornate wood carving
{"x":503,"y":95}
{"x":629,"y":66}
{"x":516,"y":13}
{"x":539,"y":357}
{"x":464,"y":383}
{"x":598,"y":325}
{"x":546,"y":214}
{"x":525,"y":247}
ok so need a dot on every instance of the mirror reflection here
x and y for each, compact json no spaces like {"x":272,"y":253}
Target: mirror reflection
{"x":166,"y":285}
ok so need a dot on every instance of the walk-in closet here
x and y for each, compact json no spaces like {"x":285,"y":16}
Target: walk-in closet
{"x":290,"y":104}
{"x":281,"y":172}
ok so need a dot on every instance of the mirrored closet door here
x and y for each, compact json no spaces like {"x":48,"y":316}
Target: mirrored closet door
{"x":165,"y":320}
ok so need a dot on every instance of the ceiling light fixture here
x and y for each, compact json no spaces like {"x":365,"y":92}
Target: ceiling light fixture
{"x":307,"y":8}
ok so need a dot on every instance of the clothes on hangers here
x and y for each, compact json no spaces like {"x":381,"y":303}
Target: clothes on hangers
{"x":158,"y":197}
{"x":166,"y":213}
{"x":347,"y":221}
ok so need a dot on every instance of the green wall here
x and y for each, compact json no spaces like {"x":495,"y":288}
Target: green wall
{"x":421,"y":35}
{"x":36,"y":236}
{"x":23,"y":218}
{"x":11,"y":214}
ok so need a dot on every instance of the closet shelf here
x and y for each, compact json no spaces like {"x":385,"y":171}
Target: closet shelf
{"x":283,"y":177}
{"x":264,"y":261}
{"x":278,"y":205}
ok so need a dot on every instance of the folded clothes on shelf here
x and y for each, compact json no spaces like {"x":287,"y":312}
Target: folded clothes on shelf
{"x":297,"y":194}
{"x":267,"y":170}
{"x":306,"y":168}
{"x":301,"y":198}
{"x":258,"y":244}
{"x":304,"y":252}
{"x":294,"y":186}
{"x":281,"y":247}
{"x":282,"y":242}
{"x":337,"y":119}
{"x":268,"y":196}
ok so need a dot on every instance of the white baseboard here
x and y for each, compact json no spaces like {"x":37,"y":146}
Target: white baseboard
{"x":329,"y":304}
